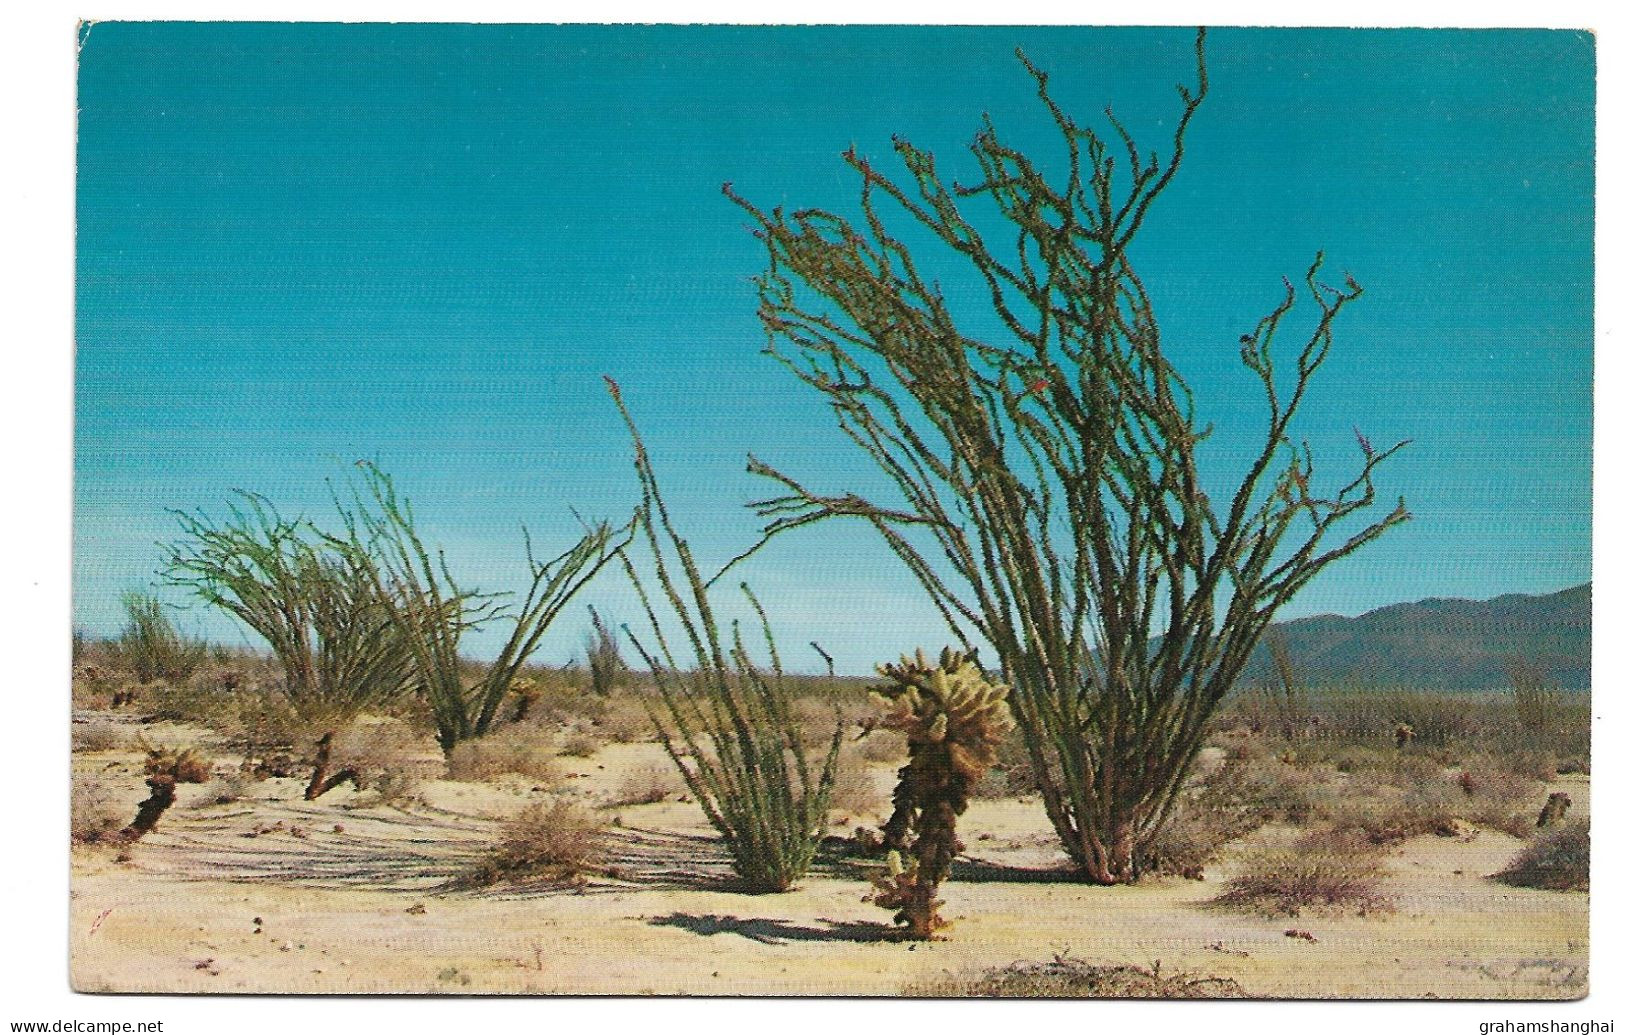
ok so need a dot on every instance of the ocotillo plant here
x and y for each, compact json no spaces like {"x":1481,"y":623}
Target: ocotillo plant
{"x":433,"y":612}
{"x":1051,"y":502}
{"x":603,"y":649}
{"x":151,"y":646}
{"x":954,"y":719}
{"x":725,"y":723}
{"x":328,"y":625}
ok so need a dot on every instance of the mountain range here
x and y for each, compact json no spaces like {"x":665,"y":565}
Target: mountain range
{"x":1440,"y":644}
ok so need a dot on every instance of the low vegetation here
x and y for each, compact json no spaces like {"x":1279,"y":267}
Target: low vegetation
{"x":1558,"y":860}
{"x":554,"y":840}
{"x":1067,"y":978}
{"x":1322,"y":870}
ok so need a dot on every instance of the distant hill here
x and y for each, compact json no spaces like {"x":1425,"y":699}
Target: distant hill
{"x":1441,"y":644}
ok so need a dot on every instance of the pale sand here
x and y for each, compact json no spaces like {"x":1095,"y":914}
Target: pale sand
{"x":179,"y":916}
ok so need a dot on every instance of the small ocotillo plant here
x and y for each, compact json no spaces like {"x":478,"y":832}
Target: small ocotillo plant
{"x":151,"y":646}
{"x":954,"y":719}
{"x":603,"y":648}
{"x":1533,"y":696}
{"x":433,"y":612}
{"x":725,"y":723}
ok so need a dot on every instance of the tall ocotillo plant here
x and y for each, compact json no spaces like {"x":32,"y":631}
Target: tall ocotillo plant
{"x":328,"y":626}
{"x":954,"y":719}
{"x":1050,"y":499}
{"x":725,"y":723}
{"x":433,"y":612}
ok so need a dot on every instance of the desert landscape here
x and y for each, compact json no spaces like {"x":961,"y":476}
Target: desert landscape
{"x":244,"y":886}
{"x":1050,"y":611}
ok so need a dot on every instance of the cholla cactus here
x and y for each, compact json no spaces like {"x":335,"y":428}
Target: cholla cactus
{"x":954,"y":719}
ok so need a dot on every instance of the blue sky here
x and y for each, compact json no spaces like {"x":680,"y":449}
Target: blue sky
{"x":301,"y":245}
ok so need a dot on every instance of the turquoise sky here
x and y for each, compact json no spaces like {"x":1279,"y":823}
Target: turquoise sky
{"x":299,"y":245}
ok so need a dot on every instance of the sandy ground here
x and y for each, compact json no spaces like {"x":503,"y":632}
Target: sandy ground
{"x":274,"y":894}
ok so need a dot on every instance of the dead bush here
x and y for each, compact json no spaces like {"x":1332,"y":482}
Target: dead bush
{"x":625,"y":721}
{"x":856,"y":792}
{"x":519,"y":749}
{"x":1558,"y":860}
{"x":556,"y":840}
{"x":645,"y":785}
{"x":186,"y":765}
{"x":578,"y":744}
{"x":1329,"y":870}
{"x":101,"y":735}
{"x":94,"y":818}
{"x":1066,"y":978}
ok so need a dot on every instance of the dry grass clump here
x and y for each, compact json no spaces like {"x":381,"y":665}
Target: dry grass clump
{"x":578,"y":743}
{"x":881,"y":747}
{"x":518,"y":749}
{"x":101,"y":735}
{"x":625,"y":721}
{"x":558,"y":840}
{"x":1558,"y":860}
{"x":1067,"y":978}
{"x":390,"y":759}
{"x":645,"y":785}
{"x":225,"y":790}
{"x":1329,"y":870}
{"x":856,"y":793}
{"x":93,"y":817}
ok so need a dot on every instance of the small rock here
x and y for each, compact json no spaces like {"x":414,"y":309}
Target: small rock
{"x":417,"y":909}
{"x":1302,"y":935}
{"x":338,"y":828}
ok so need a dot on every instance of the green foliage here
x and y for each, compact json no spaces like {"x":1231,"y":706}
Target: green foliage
{"x":725,"y":723}
{"x":151,"y":647}
{"x":431,"y":612}
{"x":1050,"y":499}
{"x":328,"y":624}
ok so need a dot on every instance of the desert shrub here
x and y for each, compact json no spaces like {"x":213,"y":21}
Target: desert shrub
{"x":578,"y":744}
{"x":556,"y":839}
{"x":1557,"y":860}
{"x":101,"y":735}
{"x":518,"y":749}
{"x":883,"y":747}
{"x":224,"y":790}
{"x":389,"y":758}
{"x":603,"y":649}
{"x":1193,"y":833}
{"x":93,"y":816}
{"x":1066,"y":978}
{"x":625,"y":721}
{"x":186,"y":765}
{"x":1504,"y":799}
{"x":151,"y":647}
{"x":856,"y":792}
{"x":645,"y":785}
{"x":1330,"y":870}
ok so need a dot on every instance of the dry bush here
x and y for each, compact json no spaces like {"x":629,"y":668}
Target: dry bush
{"x":101,"y":735}
{"x":625,"y":721}
{"x":1558,"y":860}
{"x":1192,"y":835}
{"x":1329,"y":870}
{"x":519,"y":749}
{"x":816,"y":719}
{"x":1506,"y":800}
{"x":578,"y":744}
{"x":1066,"y":978}
{"x":389,"y":758}
{"x":93,"y":816}
{"x":855,"y":792}
{"x":645,"y":785}
{"x":557,"y":839}
{"x":225,"y":790}
{"x":883,"y":747}
{"x":186,"y":765}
